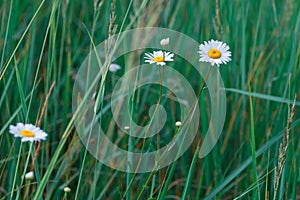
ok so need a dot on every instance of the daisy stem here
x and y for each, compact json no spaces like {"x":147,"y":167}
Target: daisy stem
{"x":15,"y":176}
{"x":204,"y":82}
{"x":159,"y":100}
{"x":25,"y":167}
{"x":35,"y":155}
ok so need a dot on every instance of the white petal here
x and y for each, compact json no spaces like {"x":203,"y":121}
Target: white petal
{"x":165,"y":42}
{"x":161,"y":63}
{"x":114,"y":67}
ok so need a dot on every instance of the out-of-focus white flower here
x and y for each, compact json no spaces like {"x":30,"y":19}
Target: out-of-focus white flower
{"x":178,"y":123}
{"x":165,"y":42}
{"x":28,"y":132}
{"x":67,"y":189}
{"x":126,"y":128}
{"x":29,"y":175}
{"x":159,"y":57}
{"x":114,"y":67}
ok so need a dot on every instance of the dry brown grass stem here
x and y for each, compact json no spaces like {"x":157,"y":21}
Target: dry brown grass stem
{"x":283,"y":150}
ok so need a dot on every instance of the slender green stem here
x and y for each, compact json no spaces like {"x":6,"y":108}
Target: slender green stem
{"x":6,"y":33}
{"x":16,"y":172}
{"x":2,"y":72}
{"x":190,"y":174}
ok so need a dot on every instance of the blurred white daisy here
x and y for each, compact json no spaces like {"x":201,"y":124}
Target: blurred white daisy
{"x":29,"y":175}
{"x":114,"y":67}
{"x":165,"y":42}
{"x":27,"y":132}
{"x":159,"y":57}
{"x":214,"y":52}
{"x":67,"y":189}
{"x":178,"y":123}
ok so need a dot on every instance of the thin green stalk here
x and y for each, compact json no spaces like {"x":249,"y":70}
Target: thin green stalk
{"x":152,"y":187}
{"x":200,"y":183}
{"x":253,"y":149}
{"x":190,"y":174}
{"x":6,"y":34}
{"x":25,"y":168}
{"x":83,"y":161}
{"x":2,"y":72}
{"x":16,"y":172}
{"x":21,"y":92}
{"x":98,"y":165}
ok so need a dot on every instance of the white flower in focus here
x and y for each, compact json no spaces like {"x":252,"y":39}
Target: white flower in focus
{"x":28,"y":132}
{"x":159,"y":57}
{"x":114,"y":67}
{"x":67,"y":189}
{"x":29,"y":175}
{"x":165,"y":42}
{"x":214,"y":52}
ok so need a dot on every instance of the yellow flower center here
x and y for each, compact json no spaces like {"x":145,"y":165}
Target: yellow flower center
{"x":214,"y":53}
{"x":27,"y":133}
{"x":158,"y":59}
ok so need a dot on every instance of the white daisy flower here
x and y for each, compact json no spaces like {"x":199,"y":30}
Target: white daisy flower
{"x":214,"y":52}
{"x":159,"y":57}
{"x":165,"y":42}
{"x":114,"y":67}
{"x":28,"y":132}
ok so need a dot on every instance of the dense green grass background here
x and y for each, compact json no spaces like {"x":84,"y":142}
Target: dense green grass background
{"x":44,"y":42}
